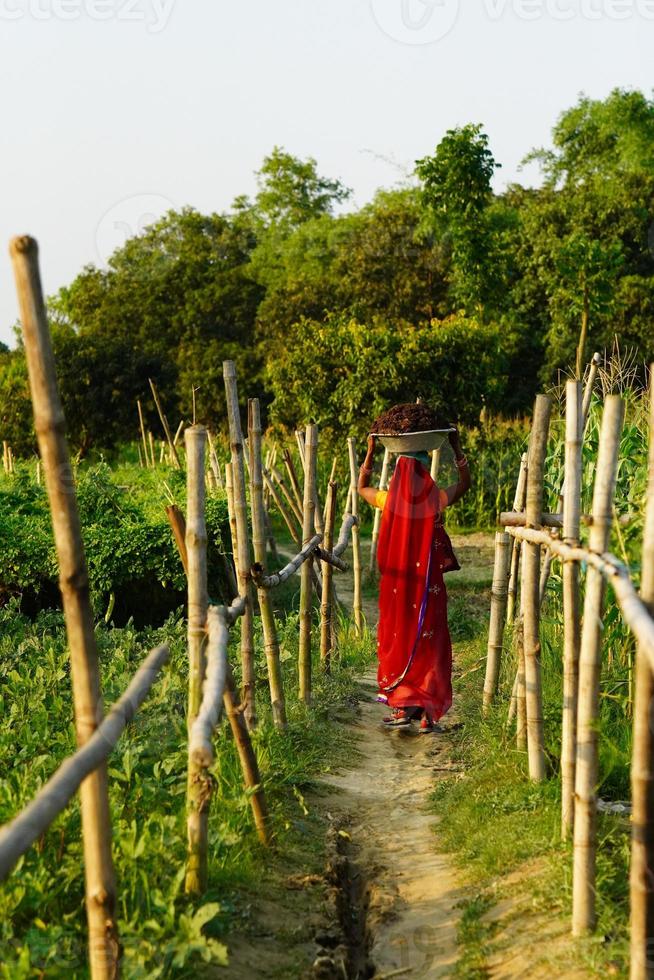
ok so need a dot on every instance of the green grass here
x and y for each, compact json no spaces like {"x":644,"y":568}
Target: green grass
{"x":164,"y":934}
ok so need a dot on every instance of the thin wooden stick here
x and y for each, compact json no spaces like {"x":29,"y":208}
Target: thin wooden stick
{"x":290,"y":497}
{"x":245,"y":586}
{"x":153,"y":461}
{"x":178,"y":525}
{"x":497,"y":617}
{"x":198,"y":789}
{"x":530,"y":587}
{"x":292,"y":478}
{"x":326,"y":604}
{"x":174,"y":457}
{"x":248,"y":759}
{"x":17,"y":836}
{"x":357,"y":605}
{"x":178,"y":432}
{"x":518,"y":505}
{"x":309,"y":502}
{"x":590,"y":385}
{"x":641,"y":879}
{"x":143,"y":435}
{"x":585,"y":819}
{"x":270,"y":641}
{"x":281,"y":507}
{"x":231,"y":514}
{"x":571,"y":601}
{"x":49,"y":423}
{"x":383,"y":484}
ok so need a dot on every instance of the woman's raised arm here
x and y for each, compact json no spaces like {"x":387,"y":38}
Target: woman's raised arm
{"x":457,"y":490}
{"x":364,"y":489}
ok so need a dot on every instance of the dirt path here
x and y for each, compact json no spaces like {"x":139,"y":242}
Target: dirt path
{"x":412,"y":890}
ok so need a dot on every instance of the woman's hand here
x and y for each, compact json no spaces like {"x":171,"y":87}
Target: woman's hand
{"x":372,"y":446}
{"x":455,"y":439}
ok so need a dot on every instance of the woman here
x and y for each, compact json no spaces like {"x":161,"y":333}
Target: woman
{"x":413,"y":553}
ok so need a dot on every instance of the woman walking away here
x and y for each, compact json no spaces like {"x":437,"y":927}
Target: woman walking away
{"x":414,"y":552}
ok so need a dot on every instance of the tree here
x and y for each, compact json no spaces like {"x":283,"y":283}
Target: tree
{"x":291,"y":191}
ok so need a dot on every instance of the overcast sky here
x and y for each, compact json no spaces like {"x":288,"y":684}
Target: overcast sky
{"x":116,"y":110}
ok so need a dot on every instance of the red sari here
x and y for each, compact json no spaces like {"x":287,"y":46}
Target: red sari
{"x":414,"y":551}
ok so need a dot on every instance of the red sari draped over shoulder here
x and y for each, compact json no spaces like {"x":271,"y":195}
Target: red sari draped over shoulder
{"x":414,"y":551}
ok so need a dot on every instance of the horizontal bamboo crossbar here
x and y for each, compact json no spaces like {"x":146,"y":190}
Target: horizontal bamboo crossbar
{"x":311,"y":548}
{"x":512,"y":518}
{"x":344,"y":535}
{"x":634,"y":611}
{"x":19,"y":834}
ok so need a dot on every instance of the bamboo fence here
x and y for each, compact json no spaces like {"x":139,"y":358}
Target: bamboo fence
{"x":558,"y":536}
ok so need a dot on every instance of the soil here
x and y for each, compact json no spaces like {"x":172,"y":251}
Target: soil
{"x":408,"y":418}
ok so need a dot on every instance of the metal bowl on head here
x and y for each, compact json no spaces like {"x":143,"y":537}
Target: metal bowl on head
{"x":413,"y":442}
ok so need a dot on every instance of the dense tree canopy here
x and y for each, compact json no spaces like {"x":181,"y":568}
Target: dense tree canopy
{"x":445,"y":288}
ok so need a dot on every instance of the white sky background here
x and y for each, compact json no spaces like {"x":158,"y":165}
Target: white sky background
{"x":175,"y":102}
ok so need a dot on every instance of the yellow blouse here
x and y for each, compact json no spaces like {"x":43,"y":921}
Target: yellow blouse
{"x":381,"y":495}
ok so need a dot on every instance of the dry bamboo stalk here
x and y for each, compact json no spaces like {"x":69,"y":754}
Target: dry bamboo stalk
{"x":300,"y":439}
{"x":521,"y":696}
{"x":288,"y":516}
{"x":383,"y":484}
{"x":17,"y":836}
{"x":293,"y":479}
{"x":641,"y":879}
{"x":349,"y":521}
{"x":497,"y":617}
{"x":153,"y":461}
{"x":178,"y":432}
{"x":518,"y":505}
{"x":545,"y":572}
{"x":513,"y":701}
{"x":200,"y":744}
{"x":270,"y":641}
{"x":5,"y":455}
{"x":140,"y":452}
{"x":357,"y":606}
{"x":142,"y":428}
{"x":198,"y":789}
{"x":309,"y":502}
{"x":290,"y":497}
{"x":211,"y":479}
{"x":571,"y":601}
{"x":245,"y":586}
{"x":530,"y":586}
{"x":178,"y":526}
{"x":326,"y":604}
{"x":174,"y":457}
{"x":585,"y":818}
{"x":49,"y":423}
{"x":231,"y":513}
{"x":248,"y":759}
{"x":38,"y":472}
{"x":297,"y":561}
{"x":593,"y":368}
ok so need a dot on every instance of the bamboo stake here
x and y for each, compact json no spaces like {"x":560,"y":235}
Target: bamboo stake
{"x":153,"y":461}
{"x":357,"y":606}
{"x":518,"y":505}
{"x":590,"y":384}
{"x":270,"y":641}
{"x":641,"y":879}
{"x":245,"y":586}
{"x":198,"y":789}
{"x":521,"y":694}
{"x":299,"y":436}
{"x":174,"y":457}
{"x":292,"y":478}
{"x":288,"y":517}
{"x":142,"y":428}
{"x":497,"y":617}
{"x":49,"y":423}
{"x":311,"y":448}
{"x":585,"y":819}
{"x":140,"y":452}
{"x":178,"y":432}
{"x":571,"y":601}
{"x":178,"y":525}
{"x":290,"y":497}
{"x":231,"y":513}
{"x":530,"y":589}
{"x":327,"y":573}
{"x":383,"y":484}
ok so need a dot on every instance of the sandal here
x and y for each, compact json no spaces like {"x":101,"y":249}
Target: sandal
{"x":397,"y":719}
{"x":427,"y":726}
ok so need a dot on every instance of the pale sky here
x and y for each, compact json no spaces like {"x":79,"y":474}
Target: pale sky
{"x":115,"y":110}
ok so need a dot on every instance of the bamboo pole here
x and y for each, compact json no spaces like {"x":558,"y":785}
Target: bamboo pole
{"x":593,"y":368}
{"x":571,"y":601}
{"x":231,"y":514}
{"x":521,"y":694}
{"x":143,"y":435}
{"x":245,"y":586}
{"x":497,"y":617}
{"x":310,"y":449}
{"x":270,"y":641}
{"x":326,"y":610}
{"x":585,"y":818}
{"x":178,"y":432}
{"x":281,"y":507}
{"x":530,"y":589}
{"x":289,"y":496}
{"x":178,"y":526}
{"x":198,"y":790}
{"x":518,"y":505}
{"x":153,"y":461}
{"x":383,"y":484}
{"x":357,"y":606}
{"x":292,"y":478}
{"x":49,"y":423}
{"x":174,"y":457}
{"x":641,"y":880}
